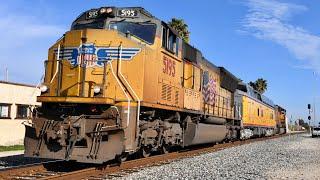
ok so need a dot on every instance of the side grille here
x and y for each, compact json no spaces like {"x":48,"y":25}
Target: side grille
{"x":169,"y":94}
{"x":164,"y":92}
{"x":169,"y":91}
{"x":176,"y":98}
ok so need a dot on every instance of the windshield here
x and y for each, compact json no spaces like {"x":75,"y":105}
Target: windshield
{"x":145,"y":32}
{"x":92,"y":24}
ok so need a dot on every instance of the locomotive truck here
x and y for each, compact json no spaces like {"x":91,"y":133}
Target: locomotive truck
{"x":123,"y":82}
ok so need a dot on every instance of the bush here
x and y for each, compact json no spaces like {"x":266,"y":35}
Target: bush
{"x":11,"y":148}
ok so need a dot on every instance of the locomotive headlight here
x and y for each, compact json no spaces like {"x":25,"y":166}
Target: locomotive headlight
{"x":105,"y":10}
{"x":96,"y":89}
{"x":43,"y":88}
{"x":109,"y":10}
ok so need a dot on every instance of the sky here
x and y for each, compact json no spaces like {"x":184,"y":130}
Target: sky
{"x":278,"y":40}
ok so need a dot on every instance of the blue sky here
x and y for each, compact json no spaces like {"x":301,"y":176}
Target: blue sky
{"x":278,"y":40}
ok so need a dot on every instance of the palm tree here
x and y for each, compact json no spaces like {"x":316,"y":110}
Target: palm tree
{"x":259,"y":85}
{"x":181,"y":27}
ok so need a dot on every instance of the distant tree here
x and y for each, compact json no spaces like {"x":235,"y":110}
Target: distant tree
{"x":300,"y":122}
{"x":181,"y":27}
{"x":259,"y":85}
{"x":303,"y":124}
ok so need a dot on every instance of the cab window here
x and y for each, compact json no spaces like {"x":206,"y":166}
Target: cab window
{"x":88,"y":24}
{"x":169,"y":40}
{"x":144,"y":31}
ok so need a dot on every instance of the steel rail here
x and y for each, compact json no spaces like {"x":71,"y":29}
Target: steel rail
{"x":11,"y":172}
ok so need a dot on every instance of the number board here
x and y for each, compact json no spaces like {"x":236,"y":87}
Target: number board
{"x":127,"y":12}
{"x":92,"y":14}
{"x":169,"y":66}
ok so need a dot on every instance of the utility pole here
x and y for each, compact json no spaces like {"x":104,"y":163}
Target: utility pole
{"x":314,"y":99}
{"x":314,"y":112}
{"x":309,"y":117}
{"x":6,"y":76}
{"x":291,"y":127}
{"x":291,"y":122}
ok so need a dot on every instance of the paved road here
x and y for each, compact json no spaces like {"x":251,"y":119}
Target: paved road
{"x":11,"y":153}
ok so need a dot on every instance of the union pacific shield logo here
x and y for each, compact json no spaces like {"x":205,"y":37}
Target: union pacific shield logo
{"x":89,"y":55}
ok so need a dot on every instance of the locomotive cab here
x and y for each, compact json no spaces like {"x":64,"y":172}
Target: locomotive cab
{"x":131,"y":22}
{"x":93,"y":86}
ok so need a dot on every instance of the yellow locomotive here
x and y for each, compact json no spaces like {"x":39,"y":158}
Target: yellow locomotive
{"x":121,"y":82}
{"x":257,"y":112}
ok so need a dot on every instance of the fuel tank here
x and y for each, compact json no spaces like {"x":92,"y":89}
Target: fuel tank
{"x":215,"y":120}
{"x":200,"y":133}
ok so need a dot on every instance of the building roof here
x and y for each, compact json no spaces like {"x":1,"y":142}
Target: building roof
{"x":18,"y":84}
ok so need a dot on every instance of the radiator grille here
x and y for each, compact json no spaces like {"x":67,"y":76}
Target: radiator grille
{"x":164,"y":92}
{"x":176,"y":98}
{"x":169,"y":91}
{"x":169,"y":94}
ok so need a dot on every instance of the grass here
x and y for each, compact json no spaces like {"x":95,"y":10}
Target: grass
{"x":11,"y":148}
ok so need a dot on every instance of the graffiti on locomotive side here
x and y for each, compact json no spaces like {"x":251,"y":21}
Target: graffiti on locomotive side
{"x":209,"y":88}
{"x":169,"y":66}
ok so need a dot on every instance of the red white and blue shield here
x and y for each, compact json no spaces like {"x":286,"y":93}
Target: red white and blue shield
{"x":87,"y":55}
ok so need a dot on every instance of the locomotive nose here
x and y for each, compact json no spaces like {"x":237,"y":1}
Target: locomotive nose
{"x":83,"y":69}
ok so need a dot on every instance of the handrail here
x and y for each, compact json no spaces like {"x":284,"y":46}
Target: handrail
{"x":117,"y":79}
{"x":57,"y":66}
{"x":134,"y":93}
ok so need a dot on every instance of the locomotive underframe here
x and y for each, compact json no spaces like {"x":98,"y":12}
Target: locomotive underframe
{"x":248,"y":132}
{"x":97,"y":138}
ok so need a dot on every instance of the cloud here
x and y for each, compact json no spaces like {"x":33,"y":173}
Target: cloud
{"x":17,"y":30}
{"x":269,"y":20}
{"x":25,"y":39}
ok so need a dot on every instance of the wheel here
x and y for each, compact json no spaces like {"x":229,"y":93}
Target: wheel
{"x":165,"y":149}
{"x":123,"y":157}
{"x":146,"y":151}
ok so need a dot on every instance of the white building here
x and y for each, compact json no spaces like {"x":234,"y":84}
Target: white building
{"x":15,"y":102}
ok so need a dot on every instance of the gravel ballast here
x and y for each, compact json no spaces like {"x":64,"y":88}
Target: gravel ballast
{"x":290,"y":157}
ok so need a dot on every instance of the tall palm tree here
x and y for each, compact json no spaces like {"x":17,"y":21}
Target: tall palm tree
{"x":181,"y":27}
{"x":259,"y":85}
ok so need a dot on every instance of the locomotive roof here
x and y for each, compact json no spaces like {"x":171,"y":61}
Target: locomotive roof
{"x":133,"y":13}
{"x":247,"y":90}
{"x":280,"y":108}
{"x":228,"y":80}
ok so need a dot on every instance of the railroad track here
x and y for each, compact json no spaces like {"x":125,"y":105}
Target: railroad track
{"x":28,"y":171}
{"x":42,"y":172}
